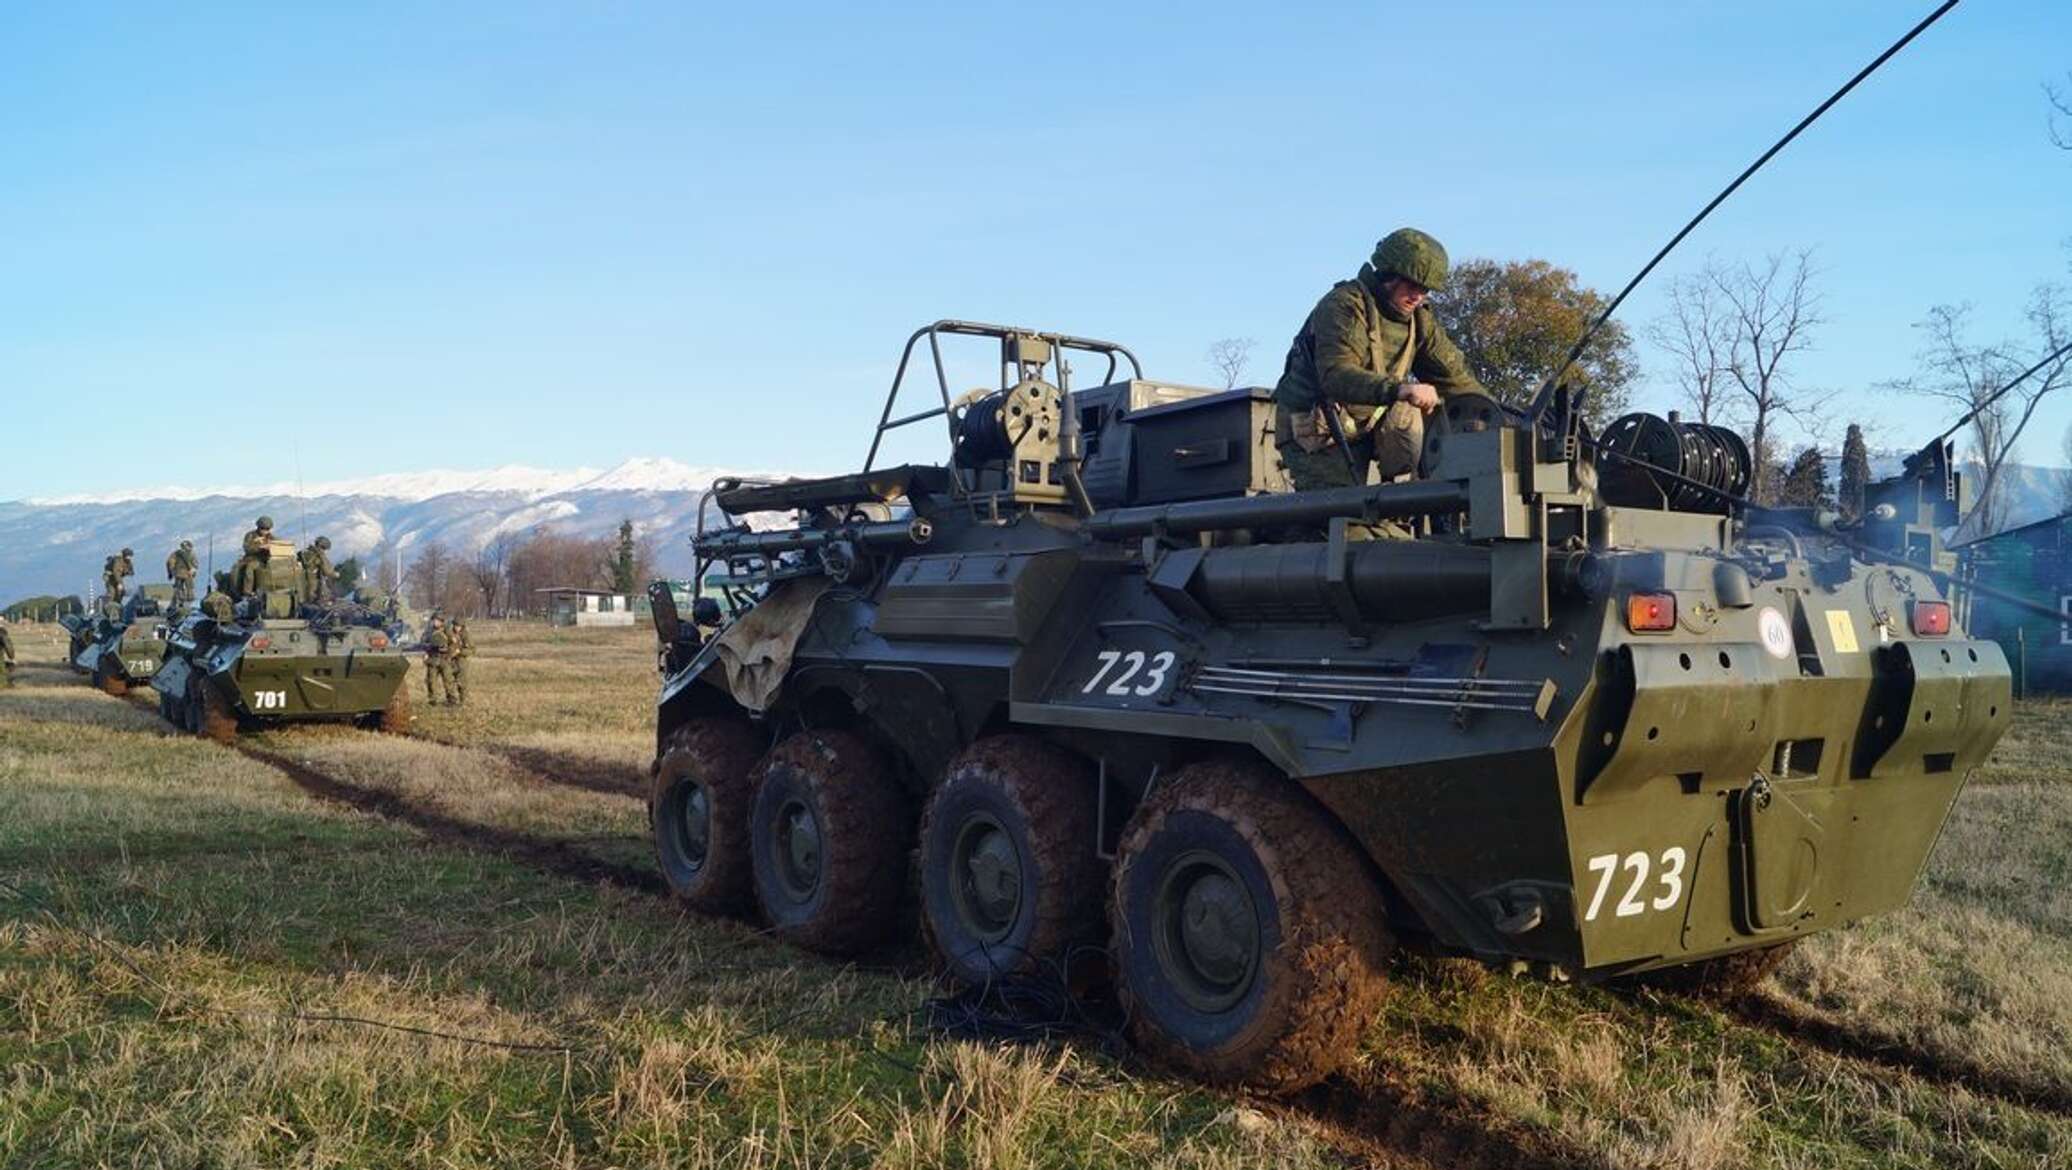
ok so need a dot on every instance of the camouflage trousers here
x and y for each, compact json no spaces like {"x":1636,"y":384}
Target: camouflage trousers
{"x":438,"y":670}
{"x":183,"y":591}
{"x":1389,"y":452}
{"x":244,"y":576}
{"x":460,"y":680}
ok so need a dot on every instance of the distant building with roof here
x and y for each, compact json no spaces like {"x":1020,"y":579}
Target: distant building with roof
{"x":2033,"y":561}
{"x":569,"y":606}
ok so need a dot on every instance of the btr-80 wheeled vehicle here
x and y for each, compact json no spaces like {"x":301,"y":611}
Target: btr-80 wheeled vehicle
{"x":274,"y":658}
{"x":1563,"y":701}
{"x":122,"y":645}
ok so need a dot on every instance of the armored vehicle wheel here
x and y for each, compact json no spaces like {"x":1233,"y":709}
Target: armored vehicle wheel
{"x":698,"y":807}
{"x":1248,"y":934}
{"x":1727,"y":977}
{"x":395,"y":718}
{"x":211,"y":716}
{"x":828,"y":835}
{"x":1010,"y":880}
{"x":108,"y":682}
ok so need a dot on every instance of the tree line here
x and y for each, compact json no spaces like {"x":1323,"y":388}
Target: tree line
{"x":505,"y":576}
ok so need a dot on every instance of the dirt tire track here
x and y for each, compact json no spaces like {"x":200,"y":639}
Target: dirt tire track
{"x":1798,"y":1026}
{"x":561,"y":858}
{"x":1384,"y":1119}
{"x":568,"y":769}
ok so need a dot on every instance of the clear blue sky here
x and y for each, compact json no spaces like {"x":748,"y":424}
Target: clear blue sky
{"x":387,"y":238}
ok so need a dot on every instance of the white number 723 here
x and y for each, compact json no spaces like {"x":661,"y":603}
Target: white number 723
{"x":1160,"y":664}
{"x":1633,"y":902}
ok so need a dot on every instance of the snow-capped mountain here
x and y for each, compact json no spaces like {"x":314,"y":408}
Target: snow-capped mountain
{"x":56,"y":545}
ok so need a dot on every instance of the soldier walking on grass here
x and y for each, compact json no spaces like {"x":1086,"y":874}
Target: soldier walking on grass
{"x":463,"y":648}
{"x":180,"y":569}
{"x":438,"y":662}
{"x":1374,"y":355}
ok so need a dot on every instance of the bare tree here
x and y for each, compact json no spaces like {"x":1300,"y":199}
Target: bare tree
{"x":488,"y":569}
{"x":426,"y":577}
{"x":2060,"y":118}
{"x":387,"y":562}
{"x":1229,"y":357}
{"x":2065,"y":476}
{"x":1697,"y":336}
{"x":1967,"y":375}
{"x":1771,"y":312}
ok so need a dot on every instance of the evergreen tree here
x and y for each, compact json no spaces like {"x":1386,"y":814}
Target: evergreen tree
{"x":348,"y":574}
{"x":1805,"y":483}
{"x":624,"y":561}
{"x":1856,"y":472}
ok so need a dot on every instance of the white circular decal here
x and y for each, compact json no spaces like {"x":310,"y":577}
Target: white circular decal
{"x":1776,"y":633}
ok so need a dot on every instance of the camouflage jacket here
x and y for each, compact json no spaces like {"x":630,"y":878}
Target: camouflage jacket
{"x":1344,"y":352}
{"x":437,"y":644}
{"x":255,"y":542}
{"x":180,"y":565}
{"x":463,"y":643}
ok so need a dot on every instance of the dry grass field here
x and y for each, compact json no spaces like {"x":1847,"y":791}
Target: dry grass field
{"x":340,"y":949}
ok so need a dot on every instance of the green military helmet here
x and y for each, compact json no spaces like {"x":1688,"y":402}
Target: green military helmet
{"x":265,"y":522}
{"x":187,"y":544}
{"x":128,"y":552}
{"x":1413,"y":255}
{"x":323,"y":542}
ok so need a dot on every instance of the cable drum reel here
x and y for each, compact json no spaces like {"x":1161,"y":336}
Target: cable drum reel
{"x":1712,"y":456}
{"x":1019,"y":427}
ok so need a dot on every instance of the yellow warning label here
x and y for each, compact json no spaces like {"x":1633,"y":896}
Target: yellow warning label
{"x":1842,"y":630}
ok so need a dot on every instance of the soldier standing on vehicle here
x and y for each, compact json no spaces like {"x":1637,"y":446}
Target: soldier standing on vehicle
{"x":317,"y":573}
{"x":438,"y":662}
{"x":463,"y":649}
{"x":244,"y":576}
{"x":1372,"y":352}
{"x":113,"y":570}
{"x":180,"y":569}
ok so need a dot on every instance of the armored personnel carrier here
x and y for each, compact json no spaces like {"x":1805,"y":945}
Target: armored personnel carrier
{"x":274,"y":658}
{"x":122,"y":645}
{"x":1113,"y":685}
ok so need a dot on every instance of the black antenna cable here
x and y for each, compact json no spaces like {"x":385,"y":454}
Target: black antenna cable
{"x":1539,"y":399}
{"x":1995,"y":396}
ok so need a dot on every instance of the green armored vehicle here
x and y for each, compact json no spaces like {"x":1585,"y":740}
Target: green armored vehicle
{"x":1113,"y":685}
{"x":122,"y":645}
{"x":273,"y":658}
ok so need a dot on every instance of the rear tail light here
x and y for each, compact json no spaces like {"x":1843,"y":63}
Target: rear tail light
{"x":1650,"y":612}
{"x":262,"y":642}
{"x":1931,"y":619}
{"x":378,"y":642}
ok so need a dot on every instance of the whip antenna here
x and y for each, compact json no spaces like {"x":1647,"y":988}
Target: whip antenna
{"x":1995,"y":396}
{"x":1539,"y":399}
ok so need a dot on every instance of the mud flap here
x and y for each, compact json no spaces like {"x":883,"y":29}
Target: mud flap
{"x":1778,"y":843}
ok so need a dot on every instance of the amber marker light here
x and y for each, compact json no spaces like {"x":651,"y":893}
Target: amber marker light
{"x":262,"y":642}
{"x":378,"y":642}
{"x":1650,"y":613}
{"x":1931,"y":619}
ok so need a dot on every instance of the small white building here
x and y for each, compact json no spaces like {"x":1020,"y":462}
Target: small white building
{"x":568,"y":606}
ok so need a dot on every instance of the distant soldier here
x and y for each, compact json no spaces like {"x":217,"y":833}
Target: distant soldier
{"x":218,"y":605}
{"x":245,"y":576}
{"x":438,"y":662}
{"x":318,"y":577}
{"x":180,"y":569}
{"x":111,"y":578}
{"x":463,"y":648}
{"x":125,"y":566}
{"x":6,"y":655}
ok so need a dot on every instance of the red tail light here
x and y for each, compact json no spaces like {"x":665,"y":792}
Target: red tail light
{"x":1931,"y":619}
{"x":262,"y":642}
{"x":1650,"y":612}
{"x":378,"y":642}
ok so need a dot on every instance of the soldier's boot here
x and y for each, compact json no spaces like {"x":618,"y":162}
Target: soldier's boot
{"x":1399,"y":443}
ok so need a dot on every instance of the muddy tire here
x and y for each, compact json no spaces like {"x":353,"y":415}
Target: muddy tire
{"x":1010,"y":879}
{"x":108,"y":682}
{"x":1728,"y":977}
{"x":395,"y":718}
{"x":698,"y":807}
{"x":1248,"y":933}
{"x":828,"y":837}
{"x":212,"y":717}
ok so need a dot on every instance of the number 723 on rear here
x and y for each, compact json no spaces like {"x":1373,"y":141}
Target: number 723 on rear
{"x":1626,"y":885}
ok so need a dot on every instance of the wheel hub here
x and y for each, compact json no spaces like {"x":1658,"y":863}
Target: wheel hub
{"x":989,"y":878}
{"x":798,"y":849}
{"x":694,"y":833}
{"x":1208,"y":934}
